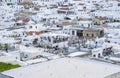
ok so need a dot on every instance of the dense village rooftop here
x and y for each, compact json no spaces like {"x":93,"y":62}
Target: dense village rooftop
{"x":60,"y":38}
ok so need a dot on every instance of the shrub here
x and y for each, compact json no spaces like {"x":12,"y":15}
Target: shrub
{"x":9,"y":4}
{"x":7,"y":66}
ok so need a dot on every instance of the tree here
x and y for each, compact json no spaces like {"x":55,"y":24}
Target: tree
{"x":1,"y":46}
{"x":6,"y":47}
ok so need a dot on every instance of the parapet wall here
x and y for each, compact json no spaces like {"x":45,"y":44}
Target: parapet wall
{"x":116,"y":75}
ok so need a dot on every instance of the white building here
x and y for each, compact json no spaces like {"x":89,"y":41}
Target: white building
{"x":10,"y":1}
{"x":67,"y":68}
{"x":97,"y":52}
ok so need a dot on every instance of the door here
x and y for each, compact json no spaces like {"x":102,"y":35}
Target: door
{"x":80,"y":33}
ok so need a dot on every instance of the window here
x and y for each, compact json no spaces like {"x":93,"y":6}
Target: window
{"x":101,"y":32}
{"x":73,"y":32}
{"x":94,"y":55}
{"x":87,"y":35}
{"x":82,"y":25}
{"x":99,"y":55}
{"x":30,"y":27}
{"x":108,"y":41}
{"x":92,"y":35}
{"x":25,"y":40}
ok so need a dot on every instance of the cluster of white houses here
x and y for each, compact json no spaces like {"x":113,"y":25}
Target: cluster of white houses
{"x":38,"y":30}
{"x":83,"y":19}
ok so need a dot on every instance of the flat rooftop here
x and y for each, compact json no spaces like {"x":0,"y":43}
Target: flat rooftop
{"x":65,"y":68}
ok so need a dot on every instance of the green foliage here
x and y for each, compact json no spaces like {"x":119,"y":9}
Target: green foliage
{"x":1,"y":46}
{"x":7,"y":66}
{"x":6,"y":47}
{"x":101,"y":35}
{"x":9,"y":4}
{"x":96,"y":4}
{"x":49,"y":47}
